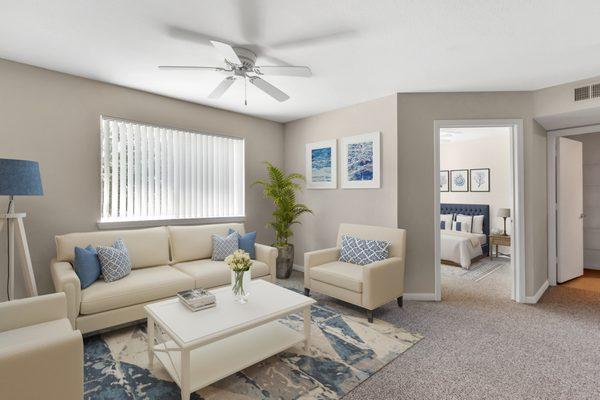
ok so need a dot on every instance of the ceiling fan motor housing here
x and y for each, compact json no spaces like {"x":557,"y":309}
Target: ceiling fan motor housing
{"x":247,"y":57}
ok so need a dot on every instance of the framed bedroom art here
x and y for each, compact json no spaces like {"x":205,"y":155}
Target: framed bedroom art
{"x":321,"y":165}
{"x":459,"y":180}
{"x":480,"y":179}
{"x":444,"y":181}
{"x":361,"y":156}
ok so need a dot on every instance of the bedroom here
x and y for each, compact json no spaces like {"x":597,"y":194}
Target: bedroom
{"x":475,"y":207}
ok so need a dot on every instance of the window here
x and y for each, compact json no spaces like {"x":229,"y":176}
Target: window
{"x":151,"y":172}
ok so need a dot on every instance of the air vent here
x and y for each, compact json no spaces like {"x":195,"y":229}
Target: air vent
{"x":582,"y":93}
{"x":596,"y":90}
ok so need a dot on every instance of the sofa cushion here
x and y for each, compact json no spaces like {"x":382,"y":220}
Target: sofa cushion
{"x":146,"y":247}
{"x":86,"y":265}
{"x":114,"y":261}
{"x":246,"y":242}
{"x":224,"y":246}
{"x":140,"y":286}
{"x":209,"y":274}
{"x":195,"y":242}
{"x":340,"y":274}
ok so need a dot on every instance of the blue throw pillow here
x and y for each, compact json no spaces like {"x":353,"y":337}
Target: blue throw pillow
{"x":114,"y":261}
{"x":246,"y":242}
{"x":363,"y":252}
{"x":87,"y":265}
{"x":224,"y":246}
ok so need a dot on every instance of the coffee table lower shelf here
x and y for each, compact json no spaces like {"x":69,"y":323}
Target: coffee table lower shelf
{"x":217,"y":360}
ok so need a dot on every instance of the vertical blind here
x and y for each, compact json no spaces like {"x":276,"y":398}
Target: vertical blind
{"x":152,"y":172}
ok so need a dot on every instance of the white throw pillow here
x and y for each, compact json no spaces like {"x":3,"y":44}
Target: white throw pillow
{"x":466,"y":222}
{"x":447,"y":221}
{"x":477,"y":226}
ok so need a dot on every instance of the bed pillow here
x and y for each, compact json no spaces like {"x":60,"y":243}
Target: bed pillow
{"x":363,"y":252}
{"x":477,"y":226}
{"x":461,"y":226}
{"x":466,"y":222}
{"x":114,"y":261}
{"x":446,"y":221}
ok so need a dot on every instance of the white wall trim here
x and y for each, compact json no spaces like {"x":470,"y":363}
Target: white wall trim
{"x":419,"y":296}
{"x":297,"y":267}
{"x":535,"y":298}
{"x":518,"y":206}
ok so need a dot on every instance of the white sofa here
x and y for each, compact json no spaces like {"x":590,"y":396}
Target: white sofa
{"x":41,"y":356}
{"x":368,"y":286}
{"x":165,"y":260}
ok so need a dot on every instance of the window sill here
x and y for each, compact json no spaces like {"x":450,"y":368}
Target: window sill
{"x":104,"y":225}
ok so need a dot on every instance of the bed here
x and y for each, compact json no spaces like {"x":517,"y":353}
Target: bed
{"x":464,"y":248}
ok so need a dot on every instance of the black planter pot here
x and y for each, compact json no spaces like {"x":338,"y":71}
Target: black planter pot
{"x":285,"y":261}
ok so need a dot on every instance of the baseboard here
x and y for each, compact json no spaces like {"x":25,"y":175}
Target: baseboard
{"x":419,"y":296}
{"x":297,"y":267}
{"x":534,"y":299}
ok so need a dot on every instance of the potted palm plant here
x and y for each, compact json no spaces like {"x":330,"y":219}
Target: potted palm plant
{"x":281,"y":189}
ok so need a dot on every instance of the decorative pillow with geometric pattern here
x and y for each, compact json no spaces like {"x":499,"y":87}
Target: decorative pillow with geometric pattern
{"x":224,"y":246}
{"x":363,"y":252}
{"x":114,"y":261}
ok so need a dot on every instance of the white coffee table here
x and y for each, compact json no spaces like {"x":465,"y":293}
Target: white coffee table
{"x":205,"y":346}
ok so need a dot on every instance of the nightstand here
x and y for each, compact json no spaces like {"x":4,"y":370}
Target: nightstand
{"x":498,"y":240}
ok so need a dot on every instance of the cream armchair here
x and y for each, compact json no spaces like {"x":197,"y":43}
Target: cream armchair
{"x":41,"y":356}
{"x":368,"y":286}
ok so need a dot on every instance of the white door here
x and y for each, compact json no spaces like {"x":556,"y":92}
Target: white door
{"x":569,"y":216}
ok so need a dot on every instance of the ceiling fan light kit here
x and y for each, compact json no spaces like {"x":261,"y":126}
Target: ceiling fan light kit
{"x":241,"y":64}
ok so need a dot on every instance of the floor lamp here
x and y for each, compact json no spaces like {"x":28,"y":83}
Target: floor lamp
{"x":18,"y":178}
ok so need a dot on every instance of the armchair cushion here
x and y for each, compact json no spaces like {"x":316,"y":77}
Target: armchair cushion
{"x":361,"y":251}
{"x":337,"y":273}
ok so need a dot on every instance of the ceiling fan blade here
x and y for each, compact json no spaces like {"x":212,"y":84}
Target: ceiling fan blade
{"x":323,"y":38}
{"x":284,"y":70}
{"x":191,"y":67}
{"x":227,"y":52}
{"x":222,"y":88}
{"x":269,"y":89}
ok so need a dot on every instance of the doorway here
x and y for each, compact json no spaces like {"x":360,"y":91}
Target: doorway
{"x":574,"y":213}
{"x":467,"y":211}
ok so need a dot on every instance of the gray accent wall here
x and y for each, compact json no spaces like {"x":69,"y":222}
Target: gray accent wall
{"x":54,"y":118}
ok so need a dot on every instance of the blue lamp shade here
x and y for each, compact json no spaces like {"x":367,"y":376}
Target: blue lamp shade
{"x":20,"y":178}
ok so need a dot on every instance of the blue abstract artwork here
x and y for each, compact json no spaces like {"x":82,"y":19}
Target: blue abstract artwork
{"x":360,"y":161}
{"x":321,"y":164}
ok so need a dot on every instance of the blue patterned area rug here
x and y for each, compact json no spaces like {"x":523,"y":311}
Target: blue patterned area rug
{"x":345,"y":350}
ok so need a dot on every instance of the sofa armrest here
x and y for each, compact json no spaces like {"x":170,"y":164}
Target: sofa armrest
{"x":383,"y":281}
{"x":32,"y":311}
{"x":318,"y":257}
{"x":268,"y":255}
{"x":48,"y":367}
{"x":66,"y":280}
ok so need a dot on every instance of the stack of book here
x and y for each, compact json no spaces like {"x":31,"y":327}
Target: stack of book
{"x":197,"y":299}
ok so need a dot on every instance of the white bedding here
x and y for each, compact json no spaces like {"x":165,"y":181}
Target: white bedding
{"x":461,"y":247}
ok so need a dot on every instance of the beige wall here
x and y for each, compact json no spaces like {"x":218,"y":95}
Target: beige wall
{"x":54,"y":118}
{"x":332,"y":207}
{"x":416,"y":115}
{"x":491,"y":152}
{"x":591,"y":198}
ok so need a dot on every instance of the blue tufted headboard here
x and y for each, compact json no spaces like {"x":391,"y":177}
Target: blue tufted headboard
{"x":471,"y":209}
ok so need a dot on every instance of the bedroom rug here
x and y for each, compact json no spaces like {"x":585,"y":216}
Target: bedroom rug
{"x":478,"y":271}
{"x":345,"y":350}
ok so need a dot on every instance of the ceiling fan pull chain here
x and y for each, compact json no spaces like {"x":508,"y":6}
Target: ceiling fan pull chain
{"x":245,"y":90}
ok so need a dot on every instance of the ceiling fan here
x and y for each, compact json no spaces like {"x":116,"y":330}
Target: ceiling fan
{"x":240,"y":64}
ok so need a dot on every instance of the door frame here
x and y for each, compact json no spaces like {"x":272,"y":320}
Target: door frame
{"x":518,"y":203}
{"x":552,"y":209}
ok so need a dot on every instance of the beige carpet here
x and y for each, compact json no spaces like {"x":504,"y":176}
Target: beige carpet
{"x":478,"y":344}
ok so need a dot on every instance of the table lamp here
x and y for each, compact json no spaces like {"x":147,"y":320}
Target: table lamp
{"x":504,"y":213}
{"x":19,"y":178}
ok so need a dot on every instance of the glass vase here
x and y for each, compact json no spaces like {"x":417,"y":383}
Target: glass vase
{"x":240,"y":284}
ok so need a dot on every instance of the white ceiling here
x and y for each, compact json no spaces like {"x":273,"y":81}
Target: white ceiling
{"x":369,"y":49}
{"x":454,"y":135}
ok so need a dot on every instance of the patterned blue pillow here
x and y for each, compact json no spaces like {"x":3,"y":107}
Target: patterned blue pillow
{"x":224,"y":246}
{"x":114,"y":261}
{"x":246,"y":242}
{"x":363,"y":252}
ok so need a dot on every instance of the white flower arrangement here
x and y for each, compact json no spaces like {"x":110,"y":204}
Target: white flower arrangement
{"x":239,"y":261}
